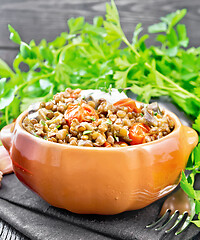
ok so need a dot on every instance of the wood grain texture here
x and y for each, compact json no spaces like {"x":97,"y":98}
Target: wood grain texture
{"x":46,"y":19}
{"x":8,"y":54}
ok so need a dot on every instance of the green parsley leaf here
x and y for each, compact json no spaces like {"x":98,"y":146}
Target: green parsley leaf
{"x":5,"y":70}
{"x":7,"y":98}
{"x":87,"y":132}
{"x":2,"y":84}
{"x":138,"y":30}
{"x":173,"y":18}
{"x":196,"y":124}
{"x":58,"y":126}
{"x":26,"y":51}
{"x":182,"y":35}
{"x":14,"y":35}
{"x":109,"y":121}
{"x":35,"y":135}
{"x":196,"y":156}
{"x":196,"y":222}
{"x":43,"y":123}
{"x":187,"y":187}
{"x":75,"y":25}
{"x":116,"y":138}
{"x":157,"y":28}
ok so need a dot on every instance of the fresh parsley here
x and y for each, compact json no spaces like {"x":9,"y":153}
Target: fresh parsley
{"x":93,"y":119}
{"x":116,"y":138}
{"x":109,"y":121}
{"x":87,"y":132}
{"x":43,"y":123}
{"x":35,"y":135}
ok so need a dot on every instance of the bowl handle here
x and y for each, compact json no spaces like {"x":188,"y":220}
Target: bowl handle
{"x":191,"y":137}
{"x":6,"y":135}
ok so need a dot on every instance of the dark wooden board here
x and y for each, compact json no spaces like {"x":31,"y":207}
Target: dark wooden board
{"x":46,"y":19}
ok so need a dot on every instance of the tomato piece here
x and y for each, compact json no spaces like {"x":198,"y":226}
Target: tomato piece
{"x":81,"y":111}
{"x":137,"y":133}
{"x":106,"y":144}
{"x":129,"y":103}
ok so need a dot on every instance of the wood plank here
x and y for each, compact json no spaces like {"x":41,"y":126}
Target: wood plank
{"x":46,"y":19}
{"x":8,"y":55}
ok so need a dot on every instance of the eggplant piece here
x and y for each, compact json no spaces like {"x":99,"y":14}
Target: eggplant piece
{"x":155,"y":108}
{"x":34,"y":107}
{"x":151,"y":120}
{"x":33,"y":115}
{"x":39,"y":114}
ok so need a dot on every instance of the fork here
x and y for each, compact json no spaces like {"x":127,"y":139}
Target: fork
{"x":177,"y":212}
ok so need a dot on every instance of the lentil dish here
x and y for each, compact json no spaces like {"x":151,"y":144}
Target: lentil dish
{"x":83,"y":121}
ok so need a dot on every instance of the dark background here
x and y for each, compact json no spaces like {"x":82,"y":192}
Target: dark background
{"x":48,"y":18}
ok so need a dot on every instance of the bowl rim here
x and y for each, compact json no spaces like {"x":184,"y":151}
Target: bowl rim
{"x":42,"y":141}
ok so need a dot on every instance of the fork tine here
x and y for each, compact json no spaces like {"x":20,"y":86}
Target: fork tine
{"x":170,"y":219}
{"x":160,"y":219}
{"x":184,"y":226}
{"x":178,"y":221}
{"x":188,"y":219}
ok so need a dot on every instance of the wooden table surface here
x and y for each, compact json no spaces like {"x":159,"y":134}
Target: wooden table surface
{"x":47,"y":18}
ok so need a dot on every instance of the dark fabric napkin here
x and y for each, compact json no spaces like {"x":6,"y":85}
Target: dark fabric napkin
{"x":36,"y":219}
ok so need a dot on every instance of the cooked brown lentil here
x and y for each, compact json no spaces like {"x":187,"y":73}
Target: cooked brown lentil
{"x":70,"y":119}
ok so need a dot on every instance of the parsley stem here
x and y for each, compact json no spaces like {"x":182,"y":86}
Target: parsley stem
{"x":124,"y":38}
{"x":34,"y":80}
{"x":174,"y":84}
{"x":160,"y":74}
{"x":64,"y":49}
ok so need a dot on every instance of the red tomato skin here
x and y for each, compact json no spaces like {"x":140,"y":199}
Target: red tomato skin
{"x":106,"y":144}
{"x":81,"y":112}
{"x":137,"y":133}
{"x":129,"y":103}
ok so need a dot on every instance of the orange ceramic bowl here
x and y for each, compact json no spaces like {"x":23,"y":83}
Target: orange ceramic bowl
{"x":99,"y":180}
